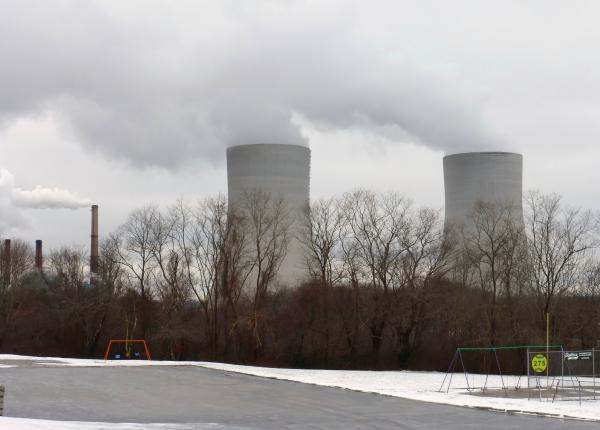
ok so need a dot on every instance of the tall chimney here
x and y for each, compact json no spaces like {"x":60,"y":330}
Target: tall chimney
{"x":6,"y":262}
{"x":94,"y":251}
{"x":38,"y":254}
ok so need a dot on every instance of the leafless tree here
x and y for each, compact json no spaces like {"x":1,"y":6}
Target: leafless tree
{"x":353,"y":275}
{"x":170,"y":277}
{"x":423,"y":261}
{"x":133,"y":242}
{"x":102,"y":295}
{"x":13,"y":268}
{"x":493,"y":246}
{"x":110,"y":270}
{"x":234,"y":270}
{"x":377,"y":225}
{"x":321,"y":240}
{"x":584,"y":307}
{"x":559,"y":240}
{"x":266,"y":222}
{"x":82,"y":306}
{"x":68,"y":265}
{"x":200,"y":233}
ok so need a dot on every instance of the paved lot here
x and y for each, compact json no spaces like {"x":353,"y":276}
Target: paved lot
{"x":192,"y":394}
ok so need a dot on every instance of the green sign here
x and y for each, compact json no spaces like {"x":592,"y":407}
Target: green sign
{"x":539,"y":363}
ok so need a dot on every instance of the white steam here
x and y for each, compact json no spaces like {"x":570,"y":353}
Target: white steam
{"x":174,"y":82}
{"x":39,"y":197}
{"x":48,"y":198}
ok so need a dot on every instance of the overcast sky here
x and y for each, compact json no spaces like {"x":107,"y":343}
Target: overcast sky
{"x":128,"y":103}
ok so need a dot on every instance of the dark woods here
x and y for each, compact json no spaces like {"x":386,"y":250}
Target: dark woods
{"x":383,"y":287}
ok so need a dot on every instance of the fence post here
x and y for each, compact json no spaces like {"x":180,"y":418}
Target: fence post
{"x":562,"y":365}
{"x":594,"y":371}
{"x":1,"y":400}
{"x":527,"y":364}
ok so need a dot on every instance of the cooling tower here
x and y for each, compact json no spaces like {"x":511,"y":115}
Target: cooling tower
{"x":281,"y":171}
{"x":487,"y":177}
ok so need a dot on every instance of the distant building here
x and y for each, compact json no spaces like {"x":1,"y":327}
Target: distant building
{"x":280,"y":171}
{"x":486,"y":177}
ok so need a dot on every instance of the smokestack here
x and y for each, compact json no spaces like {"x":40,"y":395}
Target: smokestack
{"x":6,"y":262}
{"x":94,"y":250}
{"x":38,"y":254}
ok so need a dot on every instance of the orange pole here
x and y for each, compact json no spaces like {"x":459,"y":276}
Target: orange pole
{"x":107,"y":350}
{"x":147,"y":352}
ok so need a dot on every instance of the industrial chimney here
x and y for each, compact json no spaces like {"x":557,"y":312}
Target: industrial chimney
{"x":486,"y":177}
{"x":281,"y":171}
{"x":38,"y":255}
{"x":94,"y":245}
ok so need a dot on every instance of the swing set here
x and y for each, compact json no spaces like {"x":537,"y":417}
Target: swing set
{"x":486,"y":368}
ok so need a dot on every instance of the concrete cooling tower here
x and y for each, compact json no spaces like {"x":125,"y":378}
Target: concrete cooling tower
{"x":488,"y":177}
{"x":281,"y":171}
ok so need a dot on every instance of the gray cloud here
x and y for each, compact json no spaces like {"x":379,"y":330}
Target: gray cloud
{"x":174,"y":83}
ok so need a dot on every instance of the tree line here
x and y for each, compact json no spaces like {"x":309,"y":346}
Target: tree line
{"x":383,"y":285}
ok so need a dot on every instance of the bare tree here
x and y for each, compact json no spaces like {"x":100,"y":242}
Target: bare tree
{"x":81,"y":304}
{"x":323,"y":225}
{"x":170,"y":278}
{"x":266,"y":223}
{"x":234,"y":270}
{"x":133,"y":242}
{"x":321,"y":240}
{"x":13,"y":268}
{"x":352,"y":274}
{"x":559,"y":240}
{"x":199,"y":233}
{"x":583,"y":315}
{"x":377,"y":225}
{"x":423,"y":261}
{"x":103,"y":293}
{"x":68,"y":265}
{"x":492,"y":247}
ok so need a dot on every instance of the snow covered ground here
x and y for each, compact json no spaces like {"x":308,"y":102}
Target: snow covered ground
{"x":422,"y":386}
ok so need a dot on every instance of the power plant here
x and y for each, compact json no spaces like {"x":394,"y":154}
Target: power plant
{"x":280,"y":171}
{"x":6,"y":254}
{"x":486,"y":177}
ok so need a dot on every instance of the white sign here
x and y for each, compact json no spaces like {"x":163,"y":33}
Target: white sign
{"x":579,"y":355}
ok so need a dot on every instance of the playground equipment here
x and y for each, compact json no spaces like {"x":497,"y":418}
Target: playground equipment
{"x":551,"y":373}
{"x":126,"y":351}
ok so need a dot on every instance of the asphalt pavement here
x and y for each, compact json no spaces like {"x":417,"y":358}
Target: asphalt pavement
{"x":182,"y":394}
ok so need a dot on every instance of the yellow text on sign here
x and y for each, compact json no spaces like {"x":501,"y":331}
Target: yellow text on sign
{"x":539,"y":363}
